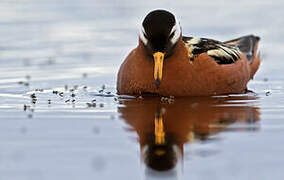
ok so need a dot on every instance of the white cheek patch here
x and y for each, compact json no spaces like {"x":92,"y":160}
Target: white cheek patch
{"x":177,"y":32}
{"x":142,"y":36}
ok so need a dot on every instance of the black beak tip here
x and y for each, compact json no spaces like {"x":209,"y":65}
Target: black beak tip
{"x":158,"y":82}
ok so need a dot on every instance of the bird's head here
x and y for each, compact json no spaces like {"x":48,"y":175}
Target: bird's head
{"x":159,"y":34}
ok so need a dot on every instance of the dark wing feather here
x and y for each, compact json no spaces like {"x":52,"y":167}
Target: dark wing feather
{"x":246,"y":44}
{"x":221,"y":52}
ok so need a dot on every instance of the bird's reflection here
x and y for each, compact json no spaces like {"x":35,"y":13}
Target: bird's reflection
{"x":163,"y":128}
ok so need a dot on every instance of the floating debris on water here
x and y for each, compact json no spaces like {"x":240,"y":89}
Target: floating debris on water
{"x":26,"y":107}
{"x":85,"y":87}
{"x":25,"y":83}
{"x":34,"y":100}
{"x":101,"y":105}
{"x":68,"y":100}
{"x":49,"y":101}
{"x":267,"y":93}
{"x":101,"y":91}
{"x":94,"y":100}
{"x":39,"y":90}
{"x":73,"y":100}
{"x":33,"y":95}
{"x":28,"y":77}
{"x":168,"y":99}
{"x":73,"y":95}
{"x":61,"y":94}
{"x":91,"y":104}
{"x":85,"y":75}
{"x":265,"y":79}
{"x":54,"y":92}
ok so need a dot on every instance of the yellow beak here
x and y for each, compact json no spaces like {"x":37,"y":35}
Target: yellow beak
{"x":158,"y":67}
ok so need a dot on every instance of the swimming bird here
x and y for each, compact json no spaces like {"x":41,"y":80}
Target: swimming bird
{"x":169,"y":64}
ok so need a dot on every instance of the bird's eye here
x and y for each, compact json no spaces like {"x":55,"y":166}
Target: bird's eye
{"x":172,"y":35}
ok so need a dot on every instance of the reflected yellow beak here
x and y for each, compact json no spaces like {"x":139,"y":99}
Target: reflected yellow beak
{"x":159,"y":130}
{"x":158,"y":67}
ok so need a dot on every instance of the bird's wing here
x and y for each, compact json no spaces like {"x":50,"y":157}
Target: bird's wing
{"x":221,"y":52}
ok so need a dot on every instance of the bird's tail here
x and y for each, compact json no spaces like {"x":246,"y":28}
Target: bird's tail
{"x":248,"y":45}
